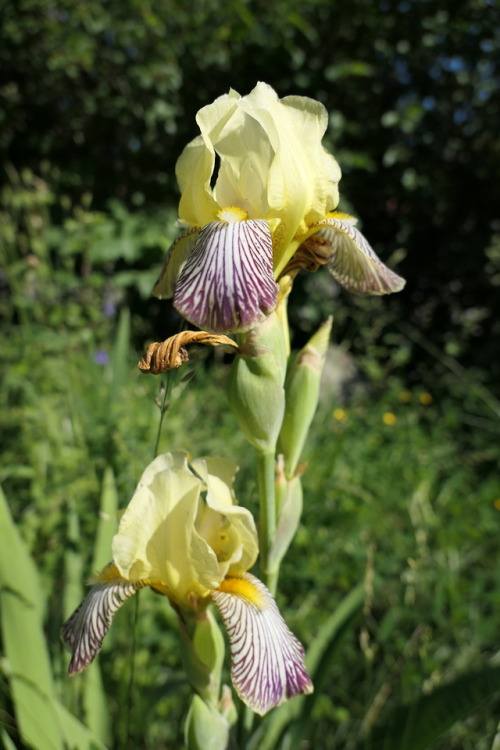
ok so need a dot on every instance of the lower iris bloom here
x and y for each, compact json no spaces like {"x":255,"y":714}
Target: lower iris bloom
{"x":183,"y":536}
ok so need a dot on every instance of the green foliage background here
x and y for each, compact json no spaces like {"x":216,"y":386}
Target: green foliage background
{"x":97,"y":101}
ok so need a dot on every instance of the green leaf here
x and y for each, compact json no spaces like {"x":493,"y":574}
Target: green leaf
{"x":107,"y":525}
{"x":21,"y":619}
{"x":328,"y":637}
{"x":76,"y":735}
{"x":44,"y":723}
{"x":95,"y":704}
{"x":417,"y":725}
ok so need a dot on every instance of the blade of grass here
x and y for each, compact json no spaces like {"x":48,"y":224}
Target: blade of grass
{"x":21,"y":618}
{"x":107,"y":525}
{"x":417,"y":725}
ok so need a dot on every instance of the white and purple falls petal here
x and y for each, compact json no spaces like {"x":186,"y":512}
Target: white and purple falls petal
{"x":227,"y":283}
{"x":353,"y":262}
{"x":84,"y":632}
{"x":267,"y":660}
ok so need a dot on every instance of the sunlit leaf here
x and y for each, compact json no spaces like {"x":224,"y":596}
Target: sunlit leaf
{"x":21,"y":613}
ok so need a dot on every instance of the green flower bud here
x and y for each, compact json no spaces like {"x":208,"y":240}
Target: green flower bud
{"x":203,"y":657}
{"x":255,"y":392}
{"x":273,"y":333}
{"x":205,"y":728}
{"x":209,"y":644}
{"x":289,"y":505}
{"x":302,"y":393}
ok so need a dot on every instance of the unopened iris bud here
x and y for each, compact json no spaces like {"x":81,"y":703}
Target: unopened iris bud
{"x":205,"y":727}
{"x":302,"y":394}
{"x":273,"y":334}
{"x":209,"y":645}
{"x":289,"y":507}
{"x":203,"y":657}
{"x":256,"y":394}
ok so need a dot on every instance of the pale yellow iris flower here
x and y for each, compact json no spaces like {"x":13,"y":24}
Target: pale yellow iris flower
{"x":184,"y":536}
{"x":255,"y":185}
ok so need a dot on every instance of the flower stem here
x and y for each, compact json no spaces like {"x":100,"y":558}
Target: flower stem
{"x":267,"y":498}
{"x":164,"y":407}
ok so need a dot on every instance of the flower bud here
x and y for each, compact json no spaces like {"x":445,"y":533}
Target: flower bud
{"x":205,"y":728}
{"x":302,"y":393}
{"x":273,"y":333}
{"x":209,"y":644}
{"x":289,"y":506}
{"x":255,"y":392}
{"x":203,"y":657}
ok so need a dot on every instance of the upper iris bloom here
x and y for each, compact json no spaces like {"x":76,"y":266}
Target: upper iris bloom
{"x":183,"y":535}
{"x":255,"y":185}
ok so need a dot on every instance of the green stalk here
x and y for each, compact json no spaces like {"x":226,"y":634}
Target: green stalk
{"x":267,"y":499}
{"x":164,"y":407}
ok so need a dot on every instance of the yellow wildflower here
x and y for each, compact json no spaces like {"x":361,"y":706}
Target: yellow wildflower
{"x":389,"y":418}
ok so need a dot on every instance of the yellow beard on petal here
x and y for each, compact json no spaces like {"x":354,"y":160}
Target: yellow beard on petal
{"x":243,"y":588}
{"x":232,"y":214}
{"x":109,"y":573}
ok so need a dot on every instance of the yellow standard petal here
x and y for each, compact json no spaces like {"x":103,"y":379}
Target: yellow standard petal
{"x":157,"y":538}
{"x":229,"y":529}
{"x":196,"y":164}
{"x":303,"y":177}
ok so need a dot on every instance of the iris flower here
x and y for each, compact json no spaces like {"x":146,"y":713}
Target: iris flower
{"x":184,"y":536}
{"x":255,"y":185}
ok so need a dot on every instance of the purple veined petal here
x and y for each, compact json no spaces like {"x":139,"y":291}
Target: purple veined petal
{"x":177,"y":255}
{"x":227,"y":284}
{"x":84,"y":632}
{"x":354,"y":263}
{"x":267,"y":660}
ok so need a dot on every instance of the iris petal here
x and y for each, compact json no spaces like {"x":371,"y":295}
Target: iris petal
{"x":84,"y":632}
{"x":267,"y":659}
{"x":241,"y":534}
{"x":175,"y":261}
{"x":157,"y":538}
{"x":353,"y":262}
{"x":227,"y":283}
